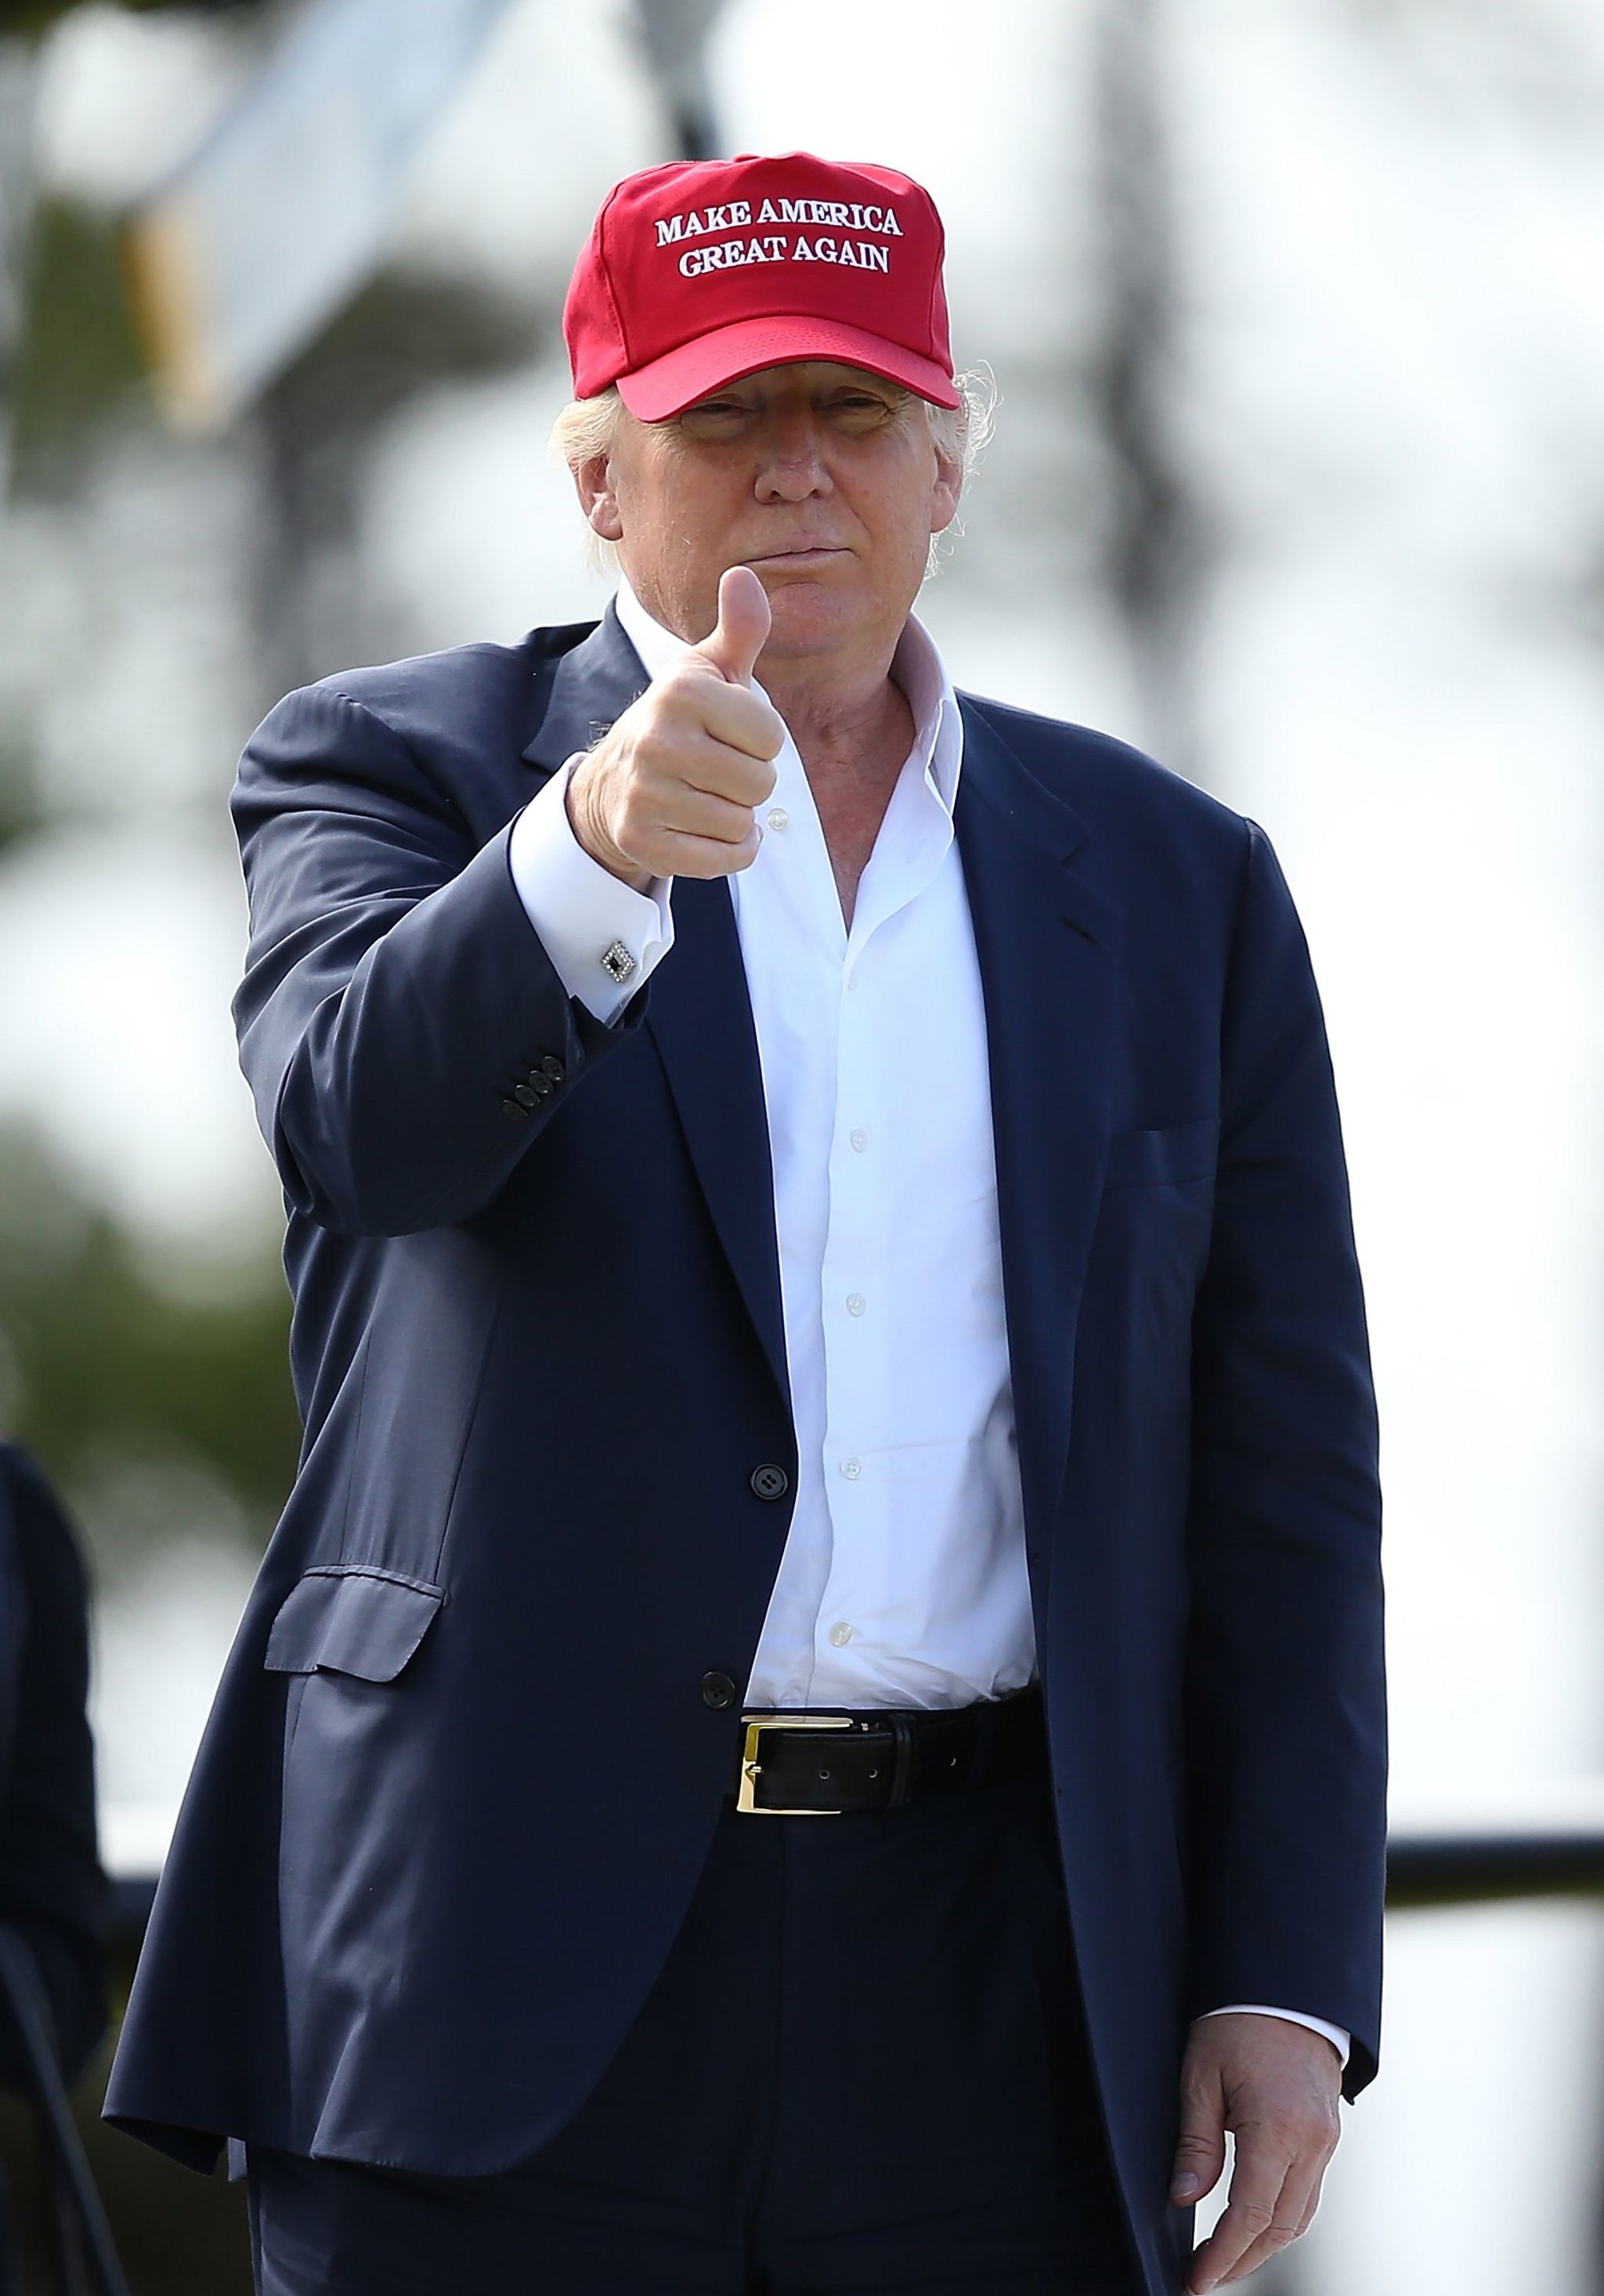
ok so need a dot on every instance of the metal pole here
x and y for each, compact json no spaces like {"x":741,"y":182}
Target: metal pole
{"x":1155,"y":544}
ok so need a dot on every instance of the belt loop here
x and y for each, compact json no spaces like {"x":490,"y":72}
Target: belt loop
{"x":902,"y":1731}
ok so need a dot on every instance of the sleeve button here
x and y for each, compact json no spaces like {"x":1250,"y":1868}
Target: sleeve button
{"x":524,"y":1097}
{"x":511,"y":1107}
{"x":540,"y":1083}
{"x":554,"y":1067}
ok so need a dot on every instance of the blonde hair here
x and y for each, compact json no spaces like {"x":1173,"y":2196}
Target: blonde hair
{"x":587,"y":427}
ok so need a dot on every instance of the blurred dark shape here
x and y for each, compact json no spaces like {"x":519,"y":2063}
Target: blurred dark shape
{"x":53,"y":1899}
{"x":53,"y":1893}
{"x":314,"y":428}
{"x":1156,"y":546}
{"x":672,"y":36}
{"x":30,"y":17}
{"x":1487,"y":1869}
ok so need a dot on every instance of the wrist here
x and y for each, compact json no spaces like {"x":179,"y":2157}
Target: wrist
{"x":600,"y":848}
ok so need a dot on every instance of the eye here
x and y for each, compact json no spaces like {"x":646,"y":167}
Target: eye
{"x":859,"y":410}
{"x":714,"y":410}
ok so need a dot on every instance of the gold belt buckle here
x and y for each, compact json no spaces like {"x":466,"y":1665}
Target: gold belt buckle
{"x":751,"y":1765}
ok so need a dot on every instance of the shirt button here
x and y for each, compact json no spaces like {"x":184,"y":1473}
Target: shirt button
{"x":859,"y":1138}
{"x":855,"y":1303}
{"x":718,"y":1690}
{"x":841,"y":1633}
{"x":777,"y":817}
{"x":851,"y":1469}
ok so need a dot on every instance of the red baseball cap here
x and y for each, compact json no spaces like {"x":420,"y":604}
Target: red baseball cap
{"x":700,"y":272}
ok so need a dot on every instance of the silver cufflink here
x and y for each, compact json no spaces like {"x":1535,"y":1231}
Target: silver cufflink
{"x":617,"y":961}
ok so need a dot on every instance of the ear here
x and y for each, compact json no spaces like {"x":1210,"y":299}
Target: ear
{"x":593,"y":483}
{"x":946,"y":486}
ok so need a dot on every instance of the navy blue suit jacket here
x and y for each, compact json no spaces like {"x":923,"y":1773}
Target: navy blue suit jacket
{"x":461,"y":1777}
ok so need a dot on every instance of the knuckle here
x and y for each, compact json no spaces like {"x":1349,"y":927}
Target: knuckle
{"x":1198,"y":2145}
{"x":669,"y":702}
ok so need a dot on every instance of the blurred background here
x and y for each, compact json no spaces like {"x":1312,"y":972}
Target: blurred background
{"x":1296,"y":308}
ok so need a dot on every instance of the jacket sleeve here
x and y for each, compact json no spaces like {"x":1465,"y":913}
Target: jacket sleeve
{"x":1286,"y":1726}
{"x":397,"y":1006}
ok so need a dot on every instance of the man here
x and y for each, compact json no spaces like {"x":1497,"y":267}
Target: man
{"x":810,"y":1198}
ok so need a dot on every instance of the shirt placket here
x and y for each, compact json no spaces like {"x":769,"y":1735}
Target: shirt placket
{"x":853,"y":1274}
{"x":851,"y":1290}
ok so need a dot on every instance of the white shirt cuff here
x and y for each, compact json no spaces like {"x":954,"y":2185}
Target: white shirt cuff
{"x":581,"y":911}
{"x":1340,"y":2038}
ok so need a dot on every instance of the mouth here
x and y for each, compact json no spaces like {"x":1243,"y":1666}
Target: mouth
{"x":800,"y":558}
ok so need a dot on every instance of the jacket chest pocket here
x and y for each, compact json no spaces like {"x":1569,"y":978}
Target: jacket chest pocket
{"x":351,"y":1619}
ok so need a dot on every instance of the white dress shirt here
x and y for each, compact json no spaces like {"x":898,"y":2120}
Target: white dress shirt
{"x":903,"y":1580}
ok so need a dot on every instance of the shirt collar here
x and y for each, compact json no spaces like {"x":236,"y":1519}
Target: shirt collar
{"x":917,"y":665}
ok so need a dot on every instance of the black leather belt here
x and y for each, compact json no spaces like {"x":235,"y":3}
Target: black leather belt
{"x":826,"y":1765}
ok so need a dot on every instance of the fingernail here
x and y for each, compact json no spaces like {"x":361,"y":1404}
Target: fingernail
{"x":1183,"y":2187}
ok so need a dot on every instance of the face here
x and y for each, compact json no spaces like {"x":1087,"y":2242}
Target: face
{"x":822,"y":479}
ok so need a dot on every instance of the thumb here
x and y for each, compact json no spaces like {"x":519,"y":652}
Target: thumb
{"x":1200,"y":2153}
{"x":739,"y":636}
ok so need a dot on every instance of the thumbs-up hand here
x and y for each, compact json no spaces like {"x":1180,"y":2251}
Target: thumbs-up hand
{"x":742,"y":630}
{"x":673,"y":789}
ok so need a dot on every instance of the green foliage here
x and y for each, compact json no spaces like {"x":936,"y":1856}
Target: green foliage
{"x":78,"y":363}
{"x":20,"y":810}
{"x":29,"y":18}
{"x":122,"y":1385}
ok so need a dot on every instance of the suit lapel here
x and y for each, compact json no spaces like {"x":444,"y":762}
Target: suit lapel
{"x":698,"y":1012}
{"x":580,"y":691}
{"x":1048,"y":947}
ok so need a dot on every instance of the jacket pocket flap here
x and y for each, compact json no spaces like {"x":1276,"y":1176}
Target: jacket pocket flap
{"x":1172,"y":1153}
{"x":351,"y":1620}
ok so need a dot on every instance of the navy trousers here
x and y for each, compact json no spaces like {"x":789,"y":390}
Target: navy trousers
{"x":861,"y":2071}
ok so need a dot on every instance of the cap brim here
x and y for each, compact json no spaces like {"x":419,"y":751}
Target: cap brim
{"x":667,"y":385}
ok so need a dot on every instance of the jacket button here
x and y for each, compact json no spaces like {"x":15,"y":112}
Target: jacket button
{"x":554,"y":1067}
{"x":718,"y":1690}
{"x":511,"y":1107}
{"x":524,"y":1097}
{"x":540,"y":1083}
{"x":771,"y":1482}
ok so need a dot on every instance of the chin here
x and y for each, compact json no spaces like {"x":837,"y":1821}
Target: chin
{"x":812,"y":616}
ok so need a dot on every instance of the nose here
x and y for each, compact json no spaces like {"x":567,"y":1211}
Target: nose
{"x":791,"y":468}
